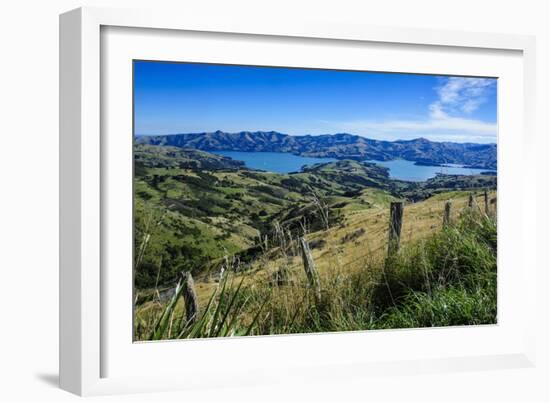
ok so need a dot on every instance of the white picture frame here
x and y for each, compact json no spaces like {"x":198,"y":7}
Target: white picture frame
{"x":86,"y":194}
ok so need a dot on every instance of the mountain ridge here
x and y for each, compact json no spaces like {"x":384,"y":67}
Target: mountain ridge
{"x":338,"y":145}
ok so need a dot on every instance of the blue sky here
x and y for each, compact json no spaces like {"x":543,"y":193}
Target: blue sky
{"x":186,"y":97}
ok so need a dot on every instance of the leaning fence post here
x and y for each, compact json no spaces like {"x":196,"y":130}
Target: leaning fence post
{"x":494,"y":201}
{"x":309,"y":267}
{"x":471,"y":201}
{"x":396,"y":222}
{"x":190,"y":298}
{"x":447,"y":213}
{"x":486,"y":201}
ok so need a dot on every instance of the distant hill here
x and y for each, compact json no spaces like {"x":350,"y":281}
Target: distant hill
{"x":340,"y":146}
{"x":149,"y":156}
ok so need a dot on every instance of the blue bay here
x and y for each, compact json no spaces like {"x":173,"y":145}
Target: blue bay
{"x":398,"y":169}
{"x":408,"y":171}
{"x":272,"y":162}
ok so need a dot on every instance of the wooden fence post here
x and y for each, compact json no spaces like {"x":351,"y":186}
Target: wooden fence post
{"x":190,"y":298}
{"x":396,"y":222}
{"x":494,"y":201}
{"x":471,"y":201}
{"x":447,"y":213}
{"x":486,"y":201}
{"x":311,"y":271}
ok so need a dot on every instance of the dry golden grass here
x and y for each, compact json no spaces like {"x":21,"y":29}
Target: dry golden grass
{"x":342,"y":252}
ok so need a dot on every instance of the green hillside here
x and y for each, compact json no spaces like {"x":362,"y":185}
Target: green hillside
{"x":193,"y":208}
{"x":240,"y":234}
{"x":442,"y":276}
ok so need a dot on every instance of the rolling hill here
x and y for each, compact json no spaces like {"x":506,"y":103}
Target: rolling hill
{"x":195,"y":207}
{"x":240,"y":233}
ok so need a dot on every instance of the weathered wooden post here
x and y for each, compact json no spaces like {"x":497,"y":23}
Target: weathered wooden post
{"x":471,"y":201}
{"x":190,"y":298}
{"x":396,"y":222}
{"x":486,"y":201}
{"x":311,"y":271}
{"x":447,"y":213}
{"x":281,"y":276}
{"x":292,"y":244}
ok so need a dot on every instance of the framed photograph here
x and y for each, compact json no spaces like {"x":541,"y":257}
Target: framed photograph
{"x":296,"y":200}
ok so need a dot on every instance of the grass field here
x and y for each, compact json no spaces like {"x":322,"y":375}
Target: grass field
{"x":441,"y":276}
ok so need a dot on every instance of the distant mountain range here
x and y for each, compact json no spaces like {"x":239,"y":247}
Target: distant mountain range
{"x":340,"y":146}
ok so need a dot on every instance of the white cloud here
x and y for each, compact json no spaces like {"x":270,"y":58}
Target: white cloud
{"x":461,"y":94}
{"x":440,"y":126}
{"x":448,"y":116}
{"x":445,"y":124}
